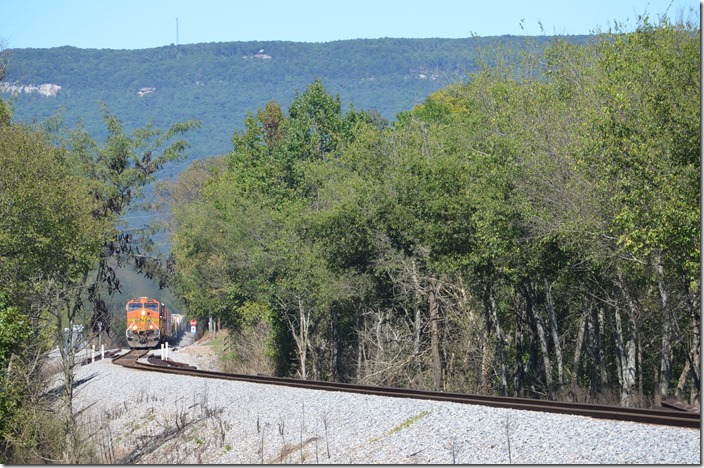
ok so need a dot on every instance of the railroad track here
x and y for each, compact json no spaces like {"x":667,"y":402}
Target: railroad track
{"x":661,"y":416}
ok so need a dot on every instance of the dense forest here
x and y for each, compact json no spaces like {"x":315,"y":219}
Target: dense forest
{"x":534,"y":232}
{"x":531,"y":230}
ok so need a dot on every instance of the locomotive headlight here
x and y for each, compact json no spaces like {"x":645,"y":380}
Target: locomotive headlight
{"x":144,"y":312}
{"x":151,"y":327}
{"x":134,"y":327}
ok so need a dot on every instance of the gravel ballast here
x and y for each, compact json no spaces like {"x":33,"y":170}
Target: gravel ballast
{"x":150,"y":417}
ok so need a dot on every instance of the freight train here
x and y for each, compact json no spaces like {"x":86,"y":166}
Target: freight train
{"x":150,"y":323}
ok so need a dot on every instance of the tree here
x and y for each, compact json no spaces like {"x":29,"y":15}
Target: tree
{"x":48,"y":241}
{"x":58,"y":236}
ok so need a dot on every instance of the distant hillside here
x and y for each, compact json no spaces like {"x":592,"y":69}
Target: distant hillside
{"x":218,"y":83}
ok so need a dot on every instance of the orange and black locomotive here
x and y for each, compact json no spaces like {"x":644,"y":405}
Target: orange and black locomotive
{"x":148,"y":323}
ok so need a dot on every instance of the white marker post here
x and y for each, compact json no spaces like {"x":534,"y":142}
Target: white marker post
{"x":92,"y":353}
{"x":166,"y":351}
{"x":102,"y":351}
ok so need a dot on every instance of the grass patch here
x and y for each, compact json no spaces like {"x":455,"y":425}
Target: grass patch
{"x":409,"y":421}
{"x":217,"y":343}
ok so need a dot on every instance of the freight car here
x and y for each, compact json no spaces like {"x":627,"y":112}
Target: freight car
{"x":149,"y":323}
{"x":178,"y":324}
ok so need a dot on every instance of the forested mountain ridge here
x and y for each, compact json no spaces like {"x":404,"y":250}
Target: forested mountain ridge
{"x":219,"y":83}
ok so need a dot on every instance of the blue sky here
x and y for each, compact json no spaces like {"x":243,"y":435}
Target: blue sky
{"x":131,"y":24}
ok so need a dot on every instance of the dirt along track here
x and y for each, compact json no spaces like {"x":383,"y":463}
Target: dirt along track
{"x":661,"y":416}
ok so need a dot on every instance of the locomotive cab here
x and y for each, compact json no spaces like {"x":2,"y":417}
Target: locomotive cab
{"x":145,"y":322}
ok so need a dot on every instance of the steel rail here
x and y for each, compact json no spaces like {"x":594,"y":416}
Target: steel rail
{"x":660,"y":416}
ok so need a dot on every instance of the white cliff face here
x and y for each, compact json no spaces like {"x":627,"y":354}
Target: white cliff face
{"x":45,"y":89}
{"x":49,"y":89}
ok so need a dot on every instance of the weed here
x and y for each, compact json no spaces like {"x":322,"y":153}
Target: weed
{"x":303,"y":422}
{"x":288,"y":449}
{"x":282,"y":427}
{"x":508,"y":437}
{"x":261,"y":446}
{"x":327,"y":438}
{"x":409,"y":421}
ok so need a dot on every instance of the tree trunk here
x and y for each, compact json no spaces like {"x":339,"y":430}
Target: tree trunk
{"x":416,"y":340}
{"x":534,"y":310}
{"x":434,"y":337}
{"x":490,"y":303}
{"x":360,"y":341}
{"x":631,"y":346}
{"x":666,"y":345}
{"x":617,"y":336}
{"x":418,"y":323}
{"x":639,"y":362}
{"x":546,"y":357}
{"x":595,"y":350}
{"x":555,"y":333}
{"x":519,"y":373}
{"x":486,"y":362}
{"x":694,"y":353}
{"x":578,"y":347}
{"x":681,"y":382}
{"x":626,"y":358}
{"x":334,"y":345}
{"x":601,"y":330}
{"x":300,"y":335}
{"x":500,"y":344}
{"x":68,"y":355}
{"x":302,"y":340}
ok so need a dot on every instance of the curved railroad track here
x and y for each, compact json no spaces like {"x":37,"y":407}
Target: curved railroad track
{"x":662,"y":416}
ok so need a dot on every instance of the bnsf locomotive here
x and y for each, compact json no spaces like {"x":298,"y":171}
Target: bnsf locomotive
{"x":149,"y":323}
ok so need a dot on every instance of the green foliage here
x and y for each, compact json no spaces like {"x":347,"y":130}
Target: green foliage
{"x":46,"y":227}
{"x":48,"y":237}
{"x":15,"y":332}
{"x":648,"y":145}
{"x":541,"y":202}
{"x":409,"y":421}
{"x":35,"y":435}
{"x":5,"y":114}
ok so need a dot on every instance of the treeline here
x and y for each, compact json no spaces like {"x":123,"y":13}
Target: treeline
{"x":534,"y":232}
{"x":241,"y":62}
{"x":218,"y":83}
